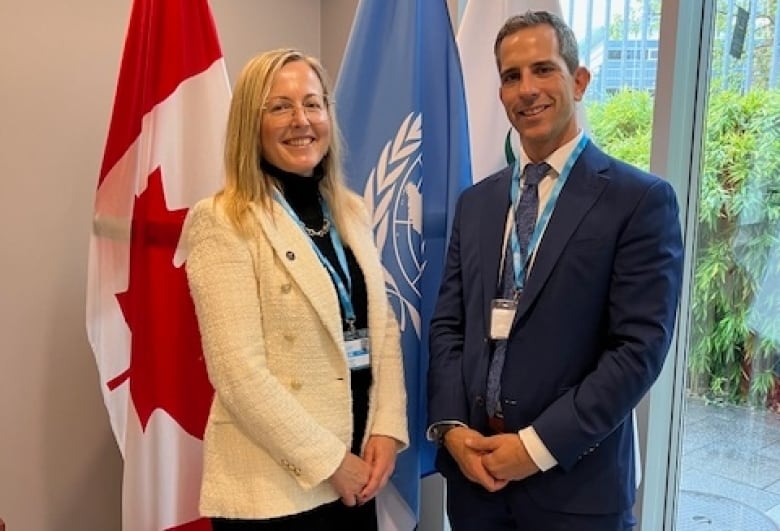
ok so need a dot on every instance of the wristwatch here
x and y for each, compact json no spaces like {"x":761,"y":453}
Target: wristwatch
{"x":440,"y":430}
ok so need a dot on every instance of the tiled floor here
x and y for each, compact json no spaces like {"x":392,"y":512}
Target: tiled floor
{"x":730,"y":479}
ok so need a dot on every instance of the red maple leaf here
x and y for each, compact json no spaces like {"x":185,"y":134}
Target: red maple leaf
{"x":167,"y":369}
{"x":203,"y":524}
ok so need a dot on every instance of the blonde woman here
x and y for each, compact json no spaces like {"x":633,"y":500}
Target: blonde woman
{"x":300,"y":341}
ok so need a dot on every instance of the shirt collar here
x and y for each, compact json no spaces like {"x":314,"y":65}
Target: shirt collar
{"x":557,"y":159}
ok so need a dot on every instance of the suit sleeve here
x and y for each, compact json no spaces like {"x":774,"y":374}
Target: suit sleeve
{"x":222,"y":281}
{"x":641,"y":309}
{"x":447,"y":398}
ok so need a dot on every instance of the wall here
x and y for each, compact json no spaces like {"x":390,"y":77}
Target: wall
{"x":337,"y":16}
{"x":59,"y":466}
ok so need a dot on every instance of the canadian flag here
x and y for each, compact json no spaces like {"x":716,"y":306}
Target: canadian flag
{"x":163,"y":153}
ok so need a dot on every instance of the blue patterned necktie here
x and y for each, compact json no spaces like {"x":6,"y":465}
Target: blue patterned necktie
{"x":525,"y":220}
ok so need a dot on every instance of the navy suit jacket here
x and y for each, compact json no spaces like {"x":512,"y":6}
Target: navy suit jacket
{"x":593,"y":326}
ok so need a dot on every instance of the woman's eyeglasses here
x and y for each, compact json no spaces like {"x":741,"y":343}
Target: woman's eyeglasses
{"x":283,"y":109}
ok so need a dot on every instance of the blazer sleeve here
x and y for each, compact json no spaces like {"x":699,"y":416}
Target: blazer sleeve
{"x":222,"y":281}
{"x":388,"y":394}
{"x":390,"y":417}
{"x":446,"y":395}
{"x":641,"y":309}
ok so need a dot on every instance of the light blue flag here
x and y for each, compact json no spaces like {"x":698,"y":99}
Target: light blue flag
{"x":402,"y":110}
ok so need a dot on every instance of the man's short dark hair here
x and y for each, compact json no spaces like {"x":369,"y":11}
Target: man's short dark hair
{"x":567,"y":42}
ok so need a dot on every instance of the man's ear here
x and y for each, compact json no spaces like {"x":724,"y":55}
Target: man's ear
{"x":581,"y":81}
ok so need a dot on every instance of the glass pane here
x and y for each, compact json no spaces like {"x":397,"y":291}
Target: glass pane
{"x":619,"y":44}
{"x":730,"y":466}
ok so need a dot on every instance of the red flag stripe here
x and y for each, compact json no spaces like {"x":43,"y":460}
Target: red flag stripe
{"x":184,"y":38}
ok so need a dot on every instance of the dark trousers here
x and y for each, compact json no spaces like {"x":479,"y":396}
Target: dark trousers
{"x":333,"y":516}
{"x":472,"y":508}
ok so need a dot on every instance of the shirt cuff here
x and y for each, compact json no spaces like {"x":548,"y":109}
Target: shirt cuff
{"x":536,"y":449}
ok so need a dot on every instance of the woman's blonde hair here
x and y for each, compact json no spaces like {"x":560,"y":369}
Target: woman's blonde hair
{"x":245,"y":182}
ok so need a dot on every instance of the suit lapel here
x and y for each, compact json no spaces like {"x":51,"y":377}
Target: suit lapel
{"x":297,"y":257}
{"x":492,"y":224}
{"x":584,"y":186}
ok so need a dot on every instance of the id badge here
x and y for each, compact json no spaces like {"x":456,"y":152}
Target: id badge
{"x":502,"y":314}
{"x":358,"y":350}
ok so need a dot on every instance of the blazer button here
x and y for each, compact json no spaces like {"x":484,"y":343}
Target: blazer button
{"x":286,"y":288}
{"x":480,"y":401}
{"x":296,"y":385}
{"x":290,"y":255}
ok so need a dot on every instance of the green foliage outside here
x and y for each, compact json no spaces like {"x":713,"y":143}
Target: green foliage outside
{"x":734,"y":347}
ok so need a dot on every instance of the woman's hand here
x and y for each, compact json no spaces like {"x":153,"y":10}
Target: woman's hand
{"x":350,"y":478}
{"x":380,"y":455}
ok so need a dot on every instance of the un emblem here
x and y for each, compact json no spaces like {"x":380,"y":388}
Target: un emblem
{"x":394,"y":198}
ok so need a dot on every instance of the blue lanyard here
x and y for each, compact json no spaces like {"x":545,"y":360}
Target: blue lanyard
{"x":520,"y":264}
{"x":343,"y":291}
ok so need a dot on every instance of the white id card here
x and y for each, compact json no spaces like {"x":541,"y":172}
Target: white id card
{"x":358,"y":353}
{"x":502,"y":314}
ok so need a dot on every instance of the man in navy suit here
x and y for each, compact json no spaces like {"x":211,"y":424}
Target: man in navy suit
{"x":541,"y":345}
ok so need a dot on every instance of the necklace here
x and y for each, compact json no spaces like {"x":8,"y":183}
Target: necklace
{"x":322,"y":230}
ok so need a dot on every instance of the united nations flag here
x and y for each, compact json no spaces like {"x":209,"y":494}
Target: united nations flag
{"x":402,"y":110}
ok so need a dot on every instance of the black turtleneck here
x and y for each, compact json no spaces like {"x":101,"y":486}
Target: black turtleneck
{"x":303,"y":195}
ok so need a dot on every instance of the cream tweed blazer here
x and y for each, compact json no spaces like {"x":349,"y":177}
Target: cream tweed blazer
{"x":269,"y":317}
